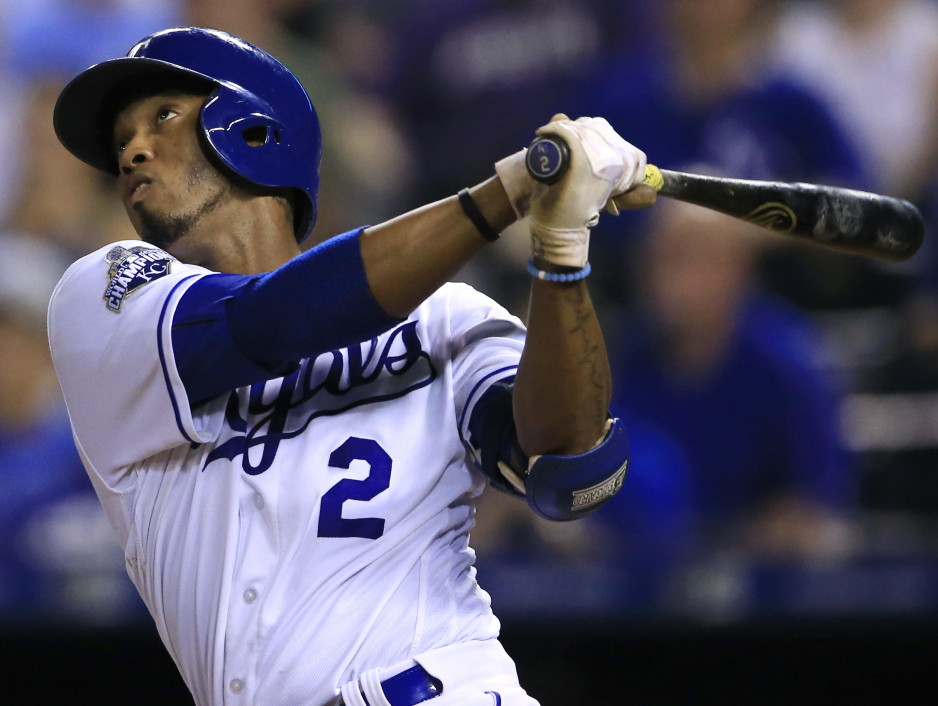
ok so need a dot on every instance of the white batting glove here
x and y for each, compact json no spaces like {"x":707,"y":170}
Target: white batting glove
{"x":602,"y":165}
{"x":518,"y":184}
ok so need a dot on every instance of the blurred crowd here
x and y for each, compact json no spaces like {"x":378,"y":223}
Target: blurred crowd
{"x":782,"y":402}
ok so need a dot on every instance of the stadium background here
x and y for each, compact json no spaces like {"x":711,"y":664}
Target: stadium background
{"x":777,"y":538}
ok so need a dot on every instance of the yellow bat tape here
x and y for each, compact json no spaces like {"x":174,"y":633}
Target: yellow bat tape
{"x":653,"y":177}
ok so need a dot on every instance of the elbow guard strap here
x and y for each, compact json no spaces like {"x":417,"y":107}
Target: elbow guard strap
{"x":561,"y":488}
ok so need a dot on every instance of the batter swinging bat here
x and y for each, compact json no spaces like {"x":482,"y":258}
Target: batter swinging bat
{"x":849,"y":221}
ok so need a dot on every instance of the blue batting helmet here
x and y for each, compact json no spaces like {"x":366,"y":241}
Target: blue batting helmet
{"x":254,"y":94}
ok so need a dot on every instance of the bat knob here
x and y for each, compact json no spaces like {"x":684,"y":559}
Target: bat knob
{"x":547,"y":159}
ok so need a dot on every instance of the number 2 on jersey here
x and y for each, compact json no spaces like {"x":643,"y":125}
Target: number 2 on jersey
{"x":331,"y":522}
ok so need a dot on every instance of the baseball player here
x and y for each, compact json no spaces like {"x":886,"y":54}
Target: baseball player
{"x":288,"y":444}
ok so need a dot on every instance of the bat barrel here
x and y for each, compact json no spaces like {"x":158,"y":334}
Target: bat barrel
{"x":866,"y":224}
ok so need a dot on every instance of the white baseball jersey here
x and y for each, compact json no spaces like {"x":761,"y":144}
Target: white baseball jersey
{"x":289,"y":535}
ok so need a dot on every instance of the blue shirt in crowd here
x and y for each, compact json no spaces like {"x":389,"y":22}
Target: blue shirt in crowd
{"x":764,"y":423}
{"x":776,"y":129}
{"x":58,"y":557}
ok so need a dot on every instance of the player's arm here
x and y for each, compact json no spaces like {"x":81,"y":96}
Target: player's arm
{"x":233,"y":330}
{"x":563,"y":386}
{"x":560,"y":449}
{"x":408,"y":258}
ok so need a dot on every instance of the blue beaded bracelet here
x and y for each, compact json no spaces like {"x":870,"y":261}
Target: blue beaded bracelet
{"x":559,"y":277}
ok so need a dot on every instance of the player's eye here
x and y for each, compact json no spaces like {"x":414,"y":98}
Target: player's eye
{"x":120,"y":147}
{"x":165,"y":114}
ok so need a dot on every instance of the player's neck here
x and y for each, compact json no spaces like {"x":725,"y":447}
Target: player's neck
{"x":240,"y":236}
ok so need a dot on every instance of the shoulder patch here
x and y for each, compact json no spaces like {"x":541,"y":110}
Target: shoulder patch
{"x":132,"y":268}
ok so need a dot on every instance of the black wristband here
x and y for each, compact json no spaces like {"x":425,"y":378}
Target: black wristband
{"x":475,"y":215}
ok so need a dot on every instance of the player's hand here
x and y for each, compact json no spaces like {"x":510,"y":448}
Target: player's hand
{"x":602,"y":165}
{"x":641,"y":196}
{"x":519,"y":185}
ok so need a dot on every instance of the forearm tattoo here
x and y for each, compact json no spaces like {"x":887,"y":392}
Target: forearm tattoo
{"x":591,"y":349}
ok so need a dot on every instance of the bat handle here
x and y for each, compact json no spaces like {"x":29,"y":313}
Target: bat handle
{"x":548,"y":159}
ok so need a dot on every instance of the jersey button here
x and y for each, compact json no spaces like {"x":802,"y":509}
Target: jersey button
{"x":236,"y":686}
{"x":259,"y":501}
{"x":250,"y":596}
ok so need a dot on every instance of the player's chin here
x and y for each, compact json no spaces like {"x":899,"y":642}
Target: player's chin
{"x":137,"y":213}
{"x":134,"y":216}
{"x":142,"y":213}
{"x":157,"y":227}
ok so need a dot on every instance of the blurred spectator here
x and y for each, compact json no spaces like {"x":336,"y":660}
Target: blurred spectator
{"x":256,"y":21}
{"x":732,"y":376}
{"x":475,"y":78}
{"x":875,"y":63}
{"x":356,"y":35}
{"x":11,"y":90}
{"x":47,"y":42}
{"x":58,"y":557}
{"x":653,"y":516}
{"x":699,"y":89}
{"x":60,"y":38}
{"x":60,"y":199}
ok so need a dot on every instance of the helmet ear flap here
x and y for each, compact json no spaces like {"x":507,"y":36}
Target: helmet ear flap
{"x":248,"y":140}
{"x":245,"y":136}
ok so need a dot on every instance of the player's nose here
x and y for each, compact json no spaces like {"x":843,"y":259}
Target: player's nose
{"x":136,"y":152}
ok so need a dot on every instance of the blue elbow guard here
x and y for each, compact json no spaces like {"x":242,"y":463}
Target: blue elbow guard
{"x":561,"y":488}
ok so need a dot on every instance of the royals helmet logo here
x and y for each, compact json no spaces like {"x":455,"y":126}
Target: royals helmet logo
{"x":131,"y":269}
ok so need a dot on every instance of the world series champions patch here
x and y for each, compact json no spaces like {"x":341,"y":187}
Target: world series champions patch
{"x":132,"y":268}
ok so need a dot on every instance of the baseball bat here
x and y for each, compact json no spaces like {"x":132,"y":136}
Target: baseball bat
{"x":850,"y":221}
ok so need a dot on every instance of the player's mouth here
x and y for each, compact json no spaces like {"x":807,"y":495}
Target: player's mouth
{"x":136,"y":187}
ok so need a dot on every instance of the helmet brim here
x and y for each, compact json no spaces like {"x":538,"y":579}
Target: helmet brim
{"x":82,"y":118}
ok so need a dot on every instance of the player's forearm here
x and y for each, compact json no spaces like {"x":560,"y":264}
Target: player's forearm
{"x":410,"y":257}
{"x":563,"y":386}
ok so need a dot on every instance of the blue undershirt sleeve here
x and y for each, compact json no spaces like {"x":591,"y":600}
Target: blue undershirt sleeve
{"x":235,"y":330}
{"x":492,"y":431}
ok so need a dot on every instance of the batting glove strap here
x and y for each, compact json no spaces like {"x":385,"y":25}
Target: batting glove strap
{"x":516,"y":181}
{"x":562,"y":488}
{"x":568,"y":247}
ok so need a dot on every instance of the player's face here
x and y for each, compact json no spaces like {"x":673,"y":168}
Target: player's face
{"x":166,"y":183}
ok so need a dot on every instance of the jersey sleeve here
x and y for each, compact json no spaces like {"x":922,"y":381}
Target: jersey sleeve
{"x":486,"y":347}
{"x":110,"y":332}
